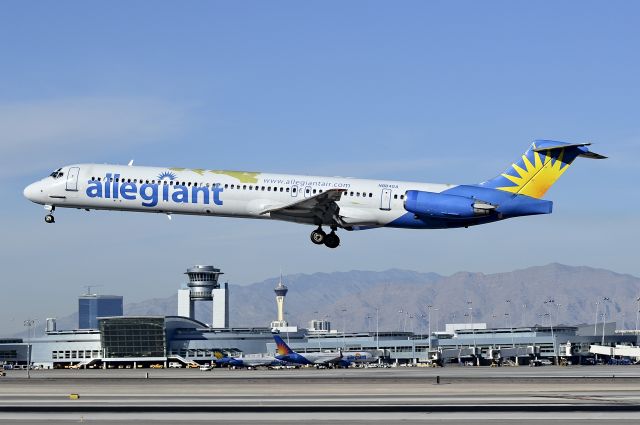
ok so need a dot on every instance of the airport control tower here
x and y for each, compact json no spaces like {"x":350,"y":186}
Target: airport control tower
{"x":203,"y":286}
{"x":281,"y":292}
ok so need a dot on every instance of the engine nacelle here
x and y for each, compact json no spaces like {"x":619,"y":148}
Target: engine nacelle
{"x":442,"y":205}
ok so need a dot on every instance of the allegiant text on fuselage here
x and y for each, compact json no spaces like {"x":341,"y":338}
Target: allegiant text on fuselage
{"x":150,"y":193}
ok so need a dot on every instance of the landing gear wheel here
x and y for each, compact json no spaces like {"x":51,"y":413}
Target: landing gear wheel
{"x":318,"y":236}
{"x":332,"y":240}
{"x":49,"y":218}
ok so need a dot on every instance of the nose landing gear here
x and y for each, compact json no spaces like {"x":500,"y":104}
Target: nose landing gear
{"x":319,"y":237}
{"x":49,"y":217}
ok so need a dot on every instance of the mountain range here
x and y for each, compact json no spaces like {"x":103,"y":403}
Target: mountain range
{"x":549,"y":294}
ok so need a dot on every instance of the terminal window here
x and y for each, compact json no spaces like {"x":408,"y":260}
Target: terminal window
{"x":8,"y":355}
{"x":133,"y":337}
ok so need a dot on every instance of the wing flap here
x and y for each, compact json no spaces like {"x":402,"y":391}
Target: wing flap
{"x":307,"y":205}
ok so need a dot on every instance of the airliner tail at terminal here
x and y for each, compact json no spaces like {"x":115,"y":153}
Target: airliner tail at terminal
{"x":324,"y":202}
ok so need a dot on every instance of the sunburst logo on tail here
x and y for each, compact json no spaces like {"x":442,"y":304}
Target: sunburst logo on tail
{"x":535,"y":173}
{"x":281,"y":346}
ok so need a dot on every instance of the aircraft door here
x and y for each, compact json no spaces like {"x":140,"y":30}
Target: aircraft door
{"x":307,"y":191}
{"x":385,"y":199}
{"x":72,"y":178}
{"x":294,"y":191}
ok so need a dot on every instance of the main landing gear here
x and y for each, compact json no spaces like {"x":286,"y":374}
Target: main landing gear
{"x":49,"y":217}
{"x":319,"y":237}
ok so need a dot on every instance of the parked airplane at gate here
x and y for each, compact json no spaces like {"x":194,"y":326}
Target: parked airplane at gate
{"x":286,"y":354}
{"x":222,"y":359}
{"x":357,"y":357}
{"x":334,"y":202}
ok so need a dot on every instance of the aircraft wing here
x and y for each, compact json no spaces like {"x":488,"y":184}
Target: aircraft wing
{"x":321,"y":206}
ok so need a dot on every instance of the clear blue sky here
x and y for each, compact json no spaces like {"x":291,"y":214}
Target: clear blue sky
{"x":424,"y":91}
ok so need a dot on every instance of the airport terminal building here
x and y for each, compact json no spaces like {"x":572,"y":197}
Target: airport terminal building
{"x":115,"y":340}
{"x":143,"y":341}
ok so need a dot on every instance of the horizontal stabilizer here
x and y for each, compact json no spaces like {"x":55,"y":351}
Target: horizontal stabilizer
{"x":592,"y":155}
{"x":542,"y":146}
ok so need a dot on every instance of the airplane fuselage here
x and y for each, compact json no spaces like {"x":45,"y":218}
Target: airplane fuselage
{"x":310,"y":358}
{"x":248,"y":361}
{"x":370,"y":203}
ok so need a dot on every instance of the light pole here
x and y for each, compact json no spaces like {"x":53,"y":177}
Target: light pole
{"x":524,"y":309}
{"x":468,"y":315}
{"x":637,"y":314}
{"x":286,"y":315}
{"x":344,"y":328}
{"x":604,"y":315}
{"x":555,"y":352}
{"x":429,"y":331}
{"x":437,"y":318}
{"x":29,"y":324}
{"x":595,"y":323}
{"x":377,"y":329}
{"x":473,"y":329}
{"x":507,"y":317}
{"x":553,"y":338}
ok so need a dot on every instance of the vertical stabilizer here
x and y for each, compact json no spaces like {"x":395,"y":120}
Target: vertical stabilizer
{"x":282,"y":347}
{"x":539,"y":168}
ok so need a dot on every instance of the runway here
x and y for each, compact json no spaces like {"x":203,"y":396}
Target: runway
{"x":526,"y":395}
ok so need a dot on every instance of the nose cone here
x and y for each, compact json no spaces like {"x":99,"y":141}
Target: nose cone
{"x":32,"y":192}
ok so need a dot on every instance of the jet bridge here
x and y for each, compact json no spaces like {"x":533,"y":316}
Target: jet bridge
{"x":618,"y":350}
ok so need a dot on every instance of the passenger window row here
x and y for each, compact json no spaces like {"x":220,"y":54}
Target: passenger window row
{"x":234,"y":186}
{"x":163,"y":182}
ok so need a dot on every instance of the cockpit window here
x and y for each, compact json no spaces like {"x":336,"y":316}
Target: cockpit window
{"x":57,"y":174}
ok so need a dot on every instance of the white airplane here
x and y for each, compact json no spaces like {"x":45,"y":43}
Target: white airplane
{"x":335,"y":202}
{"x":223,"y":359}
{"x":357,"y":357}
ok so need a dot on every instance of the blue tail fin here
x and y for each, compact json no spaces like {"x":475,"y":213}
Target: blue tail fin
{"x":283,"y":348}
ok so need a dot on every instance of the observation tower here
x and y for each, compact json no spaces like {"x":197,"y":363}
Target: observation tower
{"x":281,"y":292}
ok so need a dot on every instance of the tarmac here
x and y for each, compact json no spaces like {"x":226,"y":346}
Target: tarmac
{"x":571,"y":395}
